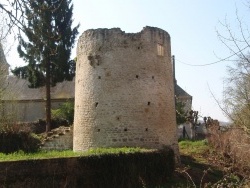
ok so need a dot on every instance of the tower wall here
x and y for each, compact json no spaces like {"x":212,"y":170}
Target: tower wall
{"x":4,"y":66}
{"x":124,"y":92}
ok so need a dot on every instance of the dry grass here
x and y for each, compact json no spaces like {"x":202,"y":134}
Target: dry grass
{"x":234,"y":146}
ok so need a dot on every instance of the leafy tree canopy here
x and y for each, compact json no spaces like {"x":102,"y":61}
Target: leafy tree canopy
{"x":180,"y":113}
{"x":50,"y":40}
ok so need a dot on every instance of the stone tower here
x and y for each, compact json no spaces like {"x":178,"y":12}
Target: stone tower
{"x":124,"y":92}
{"x":4,"y":66}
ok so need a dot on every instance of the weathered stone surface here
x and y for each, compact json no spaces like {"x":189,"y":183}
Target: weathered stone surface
{"x":124,"y":92}
{"x":60,"y":138}
{"x":4,"y":66}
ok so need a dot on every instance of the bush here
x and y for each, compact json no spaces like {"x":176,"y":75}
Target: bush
{"x":65,"y":112}
{"x":13,"y":139}
{"x":120,"y":170}
{"x":231,"y":181}
{"x":233,"y":144}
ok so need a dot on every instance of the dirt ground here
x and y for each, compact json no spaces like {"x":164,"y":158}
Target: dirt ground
{"x":206,"y":168}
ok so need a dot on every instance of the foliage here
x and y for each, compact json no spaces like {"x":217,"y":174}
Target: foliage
{"x":47,"y":51}
{"x":233,"y":146}
{"x":50,"y":39}
{"x":13,"y":139}
{"x":180,"y":113}
{"x":26,"y":72}
{"x":229,"y":180}
{"x":137,"y":169}
{"x":65,"y":111}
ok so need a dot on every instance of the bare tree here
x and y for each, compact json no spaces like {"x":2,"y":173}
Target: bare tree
{"x":236,"y":94}
{"x":14,"y":12}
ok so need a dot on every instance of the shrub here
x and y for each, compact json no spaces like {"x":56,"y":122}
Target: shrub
{"x":229,"y":180}
{"x":65,"y":111}
{"x":107,"y":170}
{"x":233,"y":144}
{"x":13,"y":138}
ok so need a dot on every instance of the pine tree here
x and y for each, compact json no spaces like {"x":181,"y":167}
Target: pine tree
{"x":48,"y":49}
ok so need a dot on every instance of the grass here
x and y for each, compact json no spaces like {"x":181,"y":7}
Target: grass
{"x":197,"y":157}
{"x":193,"y":147}
{"x":196,"y":149}
{"x":195,"y":169}
{"x":20,"y":155}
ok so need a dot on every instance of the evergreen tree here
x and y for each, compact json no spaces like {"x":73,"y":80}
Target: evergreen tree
{"x":181,"y":116}
{"x":47,"y":51}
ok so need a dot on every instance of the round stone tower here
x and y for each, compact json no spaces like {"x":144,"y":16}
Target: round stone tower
{"x":124,"y":92}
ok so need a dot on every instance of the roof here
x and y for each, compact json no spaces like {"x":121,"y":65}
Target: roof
{"x":17,"y":89}
{"x":179,"y":92}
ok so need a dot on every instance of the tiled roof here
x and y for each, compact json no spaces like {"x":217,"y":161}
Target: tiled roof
{"x":18,"y":89}
{"x":179,"y":92}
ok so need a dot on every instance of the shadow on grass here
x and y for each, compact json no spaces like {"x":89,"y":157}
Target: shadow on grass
{"x":193,"y":173}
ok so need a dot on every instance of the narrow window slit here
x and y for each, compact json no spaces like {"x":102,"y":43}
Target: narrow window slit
{"x":148,"y":103}
{"x":96,"y":104}
{"x":146,"y":129}
{"x":125,"y":129}
{"x":137,"y":76}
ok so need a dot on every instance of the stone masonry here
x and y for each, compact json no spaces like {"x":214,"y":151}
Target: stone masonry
{"x":4,"y":66}
{"x":124,"y":92}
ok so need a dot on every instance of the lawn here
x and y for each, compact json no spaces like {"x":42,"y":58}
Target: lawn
{"x":200,"y":164}
{"x":20,"y":155}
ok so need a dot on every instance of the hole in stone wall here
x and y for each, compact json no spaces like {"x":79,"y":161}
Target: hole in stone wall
{"x":146,"y":129}
{"x":125,"y":129}
{"x":96,"y":104}
{"x":108,"y":74}
{"x":137,"y":76}
{"x":153,"y":77}
{"x":90,"y":57}
{"x":98,"y":130}
{"x":118,"y":118}
{"x":99,"y":77}
{"x":148,"y":103}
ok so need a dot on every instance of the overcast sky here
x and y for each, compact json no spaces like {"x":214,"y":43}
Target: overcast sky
{"x":192,"y":25}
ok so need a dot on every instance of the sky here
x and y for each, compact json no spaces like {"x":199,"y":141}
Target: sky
{"x":192,"y":25}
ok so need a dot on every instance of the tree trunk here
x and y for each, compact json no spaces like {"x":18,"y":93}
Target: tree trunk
{"x":48,"y":99}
